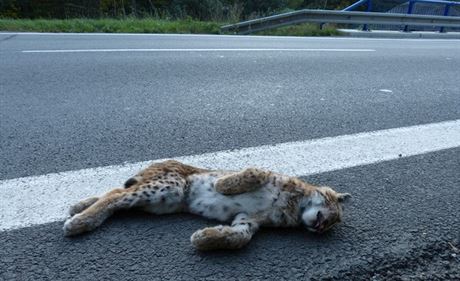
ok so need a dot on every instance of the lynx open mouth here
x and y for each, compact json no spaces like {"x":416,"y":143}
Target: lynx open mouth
{"x":321,"y":222}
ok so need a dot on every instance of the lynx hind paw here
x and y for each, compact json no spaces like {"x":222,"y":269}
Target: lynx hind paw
{"x":74,"y":226}
{"x":81,"y":206}
{"x":214,"y":238}
{"x":80,"y":223}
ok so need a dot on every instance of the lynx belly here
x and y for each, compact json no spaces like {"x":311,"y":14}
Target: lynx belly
{"x":202,"y":199}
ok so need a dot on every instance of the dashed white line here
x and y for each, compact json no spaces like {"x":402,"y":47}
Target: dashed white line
{"x":41,"y":199}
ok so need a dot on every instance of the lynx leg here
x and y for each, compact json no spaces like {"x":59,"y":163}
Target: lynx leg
{"x":226,"y":237}
{"x":99,"y":211}
{"x":155,"y":198}
{"x":82,"y":205}
{"x":241,"y":182}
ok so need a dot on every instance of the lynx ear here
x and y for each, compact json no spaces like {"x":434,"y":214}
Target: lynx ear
{"x":342,"y":197}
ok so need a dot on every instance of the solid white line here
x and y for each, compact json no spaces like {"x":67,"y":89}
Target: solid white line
{"x":41,"y":199}
{"x":224,"y":36}
{"x":197,"y":50}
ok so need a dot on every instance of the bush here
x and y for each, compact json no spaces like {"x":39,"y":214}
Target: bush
{"x":205,"y":10}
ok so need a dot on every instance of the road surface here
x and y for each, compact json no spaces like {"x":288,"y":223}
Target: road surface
{"x":75,"y":104}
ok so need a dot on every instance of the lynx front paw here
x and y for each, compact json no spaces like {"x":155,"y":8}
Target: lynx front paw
{"x":75,"y":225}
{"x":219,"y":237}
{"x":228,"y":185}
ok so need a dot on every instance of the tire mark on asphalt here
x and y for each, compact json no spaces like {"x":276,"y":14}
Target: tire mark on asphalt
{"x":8,"y":38}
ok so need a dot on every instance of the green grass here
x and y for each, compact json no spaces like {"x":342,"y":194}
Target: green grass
{"x":129,"y":25}
{"x":147,"y":25}
{"x":306,"y":29}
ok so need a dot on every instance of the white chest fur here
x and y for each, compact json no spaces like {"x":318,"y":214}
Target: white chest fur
{"x":203,"y":200}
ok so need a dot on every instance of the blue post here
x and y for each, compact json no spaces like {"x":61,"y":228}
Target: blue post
{"x":369,"y":8}
{"x":409,"y":11}
{"x":446,"y":13}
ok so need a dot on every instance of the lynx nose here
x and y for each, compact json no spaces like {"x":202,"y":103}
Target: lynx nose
{"x":319,"y":218}
{"x":319,"y":221}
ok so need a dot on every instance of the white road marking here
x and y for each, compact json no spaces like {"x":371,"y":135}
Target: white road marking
{"x":197,"y":50}
{"x":386,"y":91}
{"x":46,"y":198}
{"x":226,"y":36}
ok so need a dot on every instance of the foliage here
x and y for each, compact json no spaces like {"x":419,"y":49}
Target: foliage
{"x":207,"y":10}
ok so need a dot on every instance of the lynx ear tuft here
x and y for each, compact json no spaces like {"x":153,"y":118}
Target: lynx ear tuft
{"x":342,"y":197}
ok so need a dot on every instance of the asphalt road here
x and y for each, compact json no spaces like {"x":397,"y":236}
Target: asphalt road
{"x":68,"y":111}
{"x":77,"y":110}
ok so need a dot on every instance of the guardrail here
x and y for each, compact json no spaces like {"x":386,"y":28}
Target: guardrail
{"x":410,"y":8}
{"x":328,"y":16}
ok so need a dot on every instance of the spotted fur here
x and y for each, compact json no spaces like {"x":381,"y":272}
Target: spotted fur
{"x":249,"y":199}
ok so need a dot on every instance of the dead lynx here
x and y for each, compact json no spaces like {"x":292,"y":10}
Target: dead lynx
{"x":250,"y":199}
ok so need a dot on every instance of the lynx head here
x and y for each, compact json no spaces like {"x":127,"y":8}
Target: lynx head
{"x":322,"y":209}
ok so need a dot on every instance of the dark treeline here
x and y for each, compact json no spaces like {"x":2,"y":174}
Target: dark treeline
{"x":216,"y":10}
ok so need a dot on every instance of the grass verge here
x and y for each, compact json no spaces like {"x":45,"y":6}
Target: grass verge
{"x":148,"y":25}
{"x":110,"y":26}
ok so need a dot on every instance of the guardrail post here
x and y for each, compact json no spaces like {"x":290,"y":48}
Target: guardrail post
{"x":368,"y":9}
{"x":446,"y":13}
{"x":409,"y":11}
